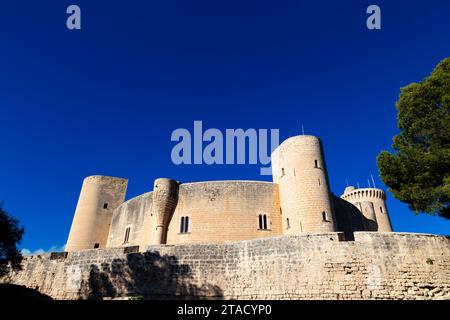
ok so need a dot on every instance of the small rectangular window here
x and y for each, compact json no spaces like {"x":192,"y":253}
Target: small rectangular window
{"x":97,"y":245}
{"x":105,"y":206}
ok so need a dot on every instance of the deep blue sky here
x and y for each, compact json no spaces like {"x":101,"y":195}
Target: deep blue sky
{"x":104,"y":100}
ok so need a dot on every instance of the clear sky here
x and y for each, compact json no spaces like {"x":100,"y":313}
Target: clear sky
{"x":105,"y":99}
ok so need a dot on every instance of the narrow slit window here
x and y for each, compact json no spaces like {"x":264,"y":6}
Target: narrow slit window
{"x":282,"y":172}
{"x":260,"y":222}
{"x":381,"y":209}
{"x":264,"y":222}
{"x":319,"y":181}
{"x":127,"y":235}
{"x":288,"y":225}
{"x":182,"y":225}
{"x":316,"y":164}
{"x":186,"y":225}
{"x":324,"y":216}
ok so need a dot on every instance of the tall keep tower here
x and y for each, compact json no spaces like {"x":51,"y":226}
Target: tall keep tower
{"x":368,"y":200}
{"x":298,"y":167}
{"x":99,"y":196}
{"x":165,"y":200}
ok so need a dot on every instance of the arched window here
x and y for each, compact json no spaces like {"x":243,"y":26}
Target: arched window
{"x":262,"y":222}
{"x":184,"y":225}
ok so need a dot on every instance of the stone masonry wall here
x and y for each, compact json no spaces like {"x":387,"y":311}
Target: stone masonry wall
{"x":314,"y":266}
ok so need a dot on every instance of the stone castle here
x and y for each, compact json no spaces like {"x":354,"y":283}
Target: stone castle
{"x":298,"y":201}
{"x":290,"y":239}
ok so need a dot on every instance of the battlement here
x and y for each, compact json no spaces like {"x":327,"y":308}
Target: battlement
{"x":354,"y":194}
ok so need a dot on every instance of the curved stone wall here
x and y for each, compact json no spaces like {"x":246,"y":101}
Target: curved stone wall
{"x":319,"y":266}
{"x":222,"y":211}
{"x":218,"y":211}
{"x":132,"y":214}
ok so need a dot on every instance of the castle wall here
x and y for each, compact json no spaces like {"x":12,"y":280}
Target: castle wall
{"x":131,"y":213}
{"x":218,"y":211}
{"x":315,"y":266}
{"x":348,"y":217}
{"x":222,"y":211}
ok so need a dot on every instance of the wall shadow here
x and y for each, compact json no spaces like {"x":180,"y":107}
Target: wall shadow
{"x":147,"y":275}
{"x":350,"y":219}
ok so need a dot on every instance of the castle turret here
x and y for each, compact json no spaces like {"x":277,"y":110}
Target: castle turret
{"x":372,"y":204}
{"x":165,"y":199}
{"x":99,"y":196}
{"x":298,"y":167}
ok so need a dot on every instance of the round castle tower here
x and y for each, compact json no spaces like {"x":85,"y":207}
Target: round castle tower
{"x":99,"y":196}
{"x":298,"y":167}
{"x":165,"y":200}
{"x":372,"y":204}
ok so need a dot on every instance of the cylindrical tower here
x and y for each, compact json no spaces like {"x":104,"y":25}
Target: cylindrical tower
{"x":99,"y":196}
{"x":368,"y":211}
{"x":377,"y":198}
{"x":165,"y":200}
{"x":298,"y":167}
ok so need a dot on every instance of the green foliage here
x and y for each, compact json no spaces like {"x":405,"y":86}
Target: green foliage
{"x":418,"y":172}
{"x":10,"y":235}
